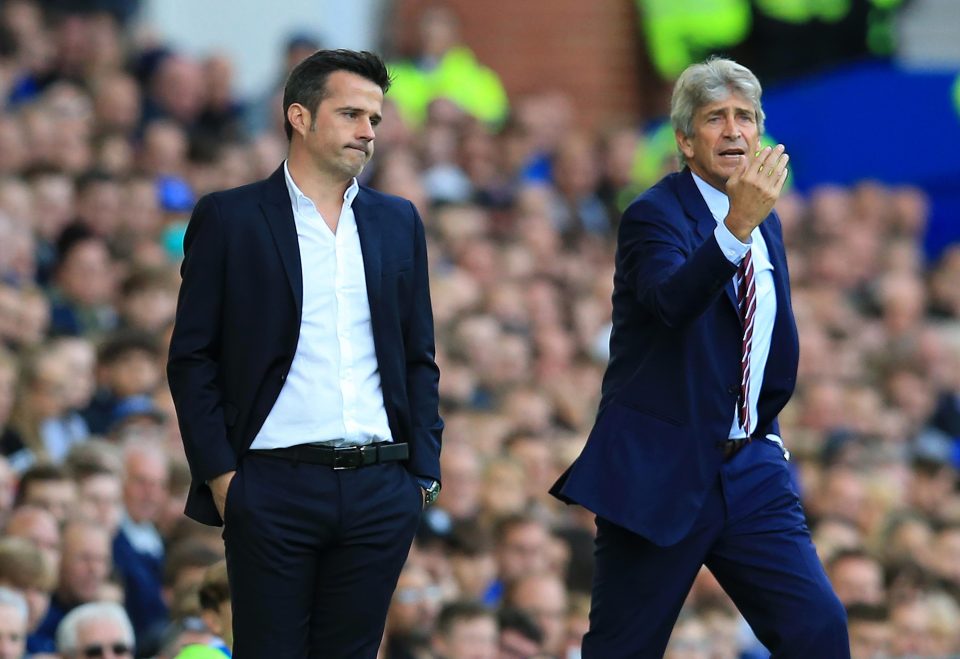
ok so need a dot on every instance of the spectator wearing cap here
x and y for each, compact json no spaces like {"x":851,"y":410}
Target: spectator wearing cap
{"x":97,"y":630}
{"x":932,"y":489}
{"x":138,"y":548}
{"x":136,"y":416}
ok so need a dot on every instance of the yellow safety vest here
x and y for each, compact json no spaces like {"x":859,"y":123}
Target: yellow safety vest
{"x":681,"y":32}
{"x":459,"y":78}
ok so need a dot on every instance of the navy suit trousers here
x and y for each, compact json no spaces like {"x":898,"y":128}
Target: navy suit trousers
{"x":313,"y":555}
{"x":752,"y":535}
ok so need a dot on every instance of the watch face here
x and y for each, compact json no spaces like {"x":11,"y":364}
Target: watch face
{"x":433,"y":492}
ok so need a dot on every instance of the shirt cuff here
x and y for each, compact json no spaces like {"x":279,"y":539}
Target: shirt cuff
{"x":779,"y":442}
{"x":732,"y":248}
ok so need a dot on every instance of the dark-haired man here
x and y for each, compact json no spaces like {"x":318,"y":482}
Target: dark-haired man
{"x":302,"y":368}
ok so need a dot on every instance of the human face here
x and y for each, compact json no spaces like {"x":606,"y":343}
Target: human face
{"x":85,"y":564}
{"x":415,"y":603}
{"x":472,"y":639}
{"x":522,"y":551}
{"x":723,"y":132}
{"x":104,"y":639}
{"x":40,"y":528}
{"x":13,"y":632}
{"x":57,"y":497}
{"x":338,"y":136}
{"x":101,"y":499}
{"x":145,"y":488}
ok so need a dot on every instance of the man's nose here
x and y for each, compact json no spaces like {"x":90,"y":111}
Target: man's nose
{"x":731,"y":129}
{"x":365,"y":131}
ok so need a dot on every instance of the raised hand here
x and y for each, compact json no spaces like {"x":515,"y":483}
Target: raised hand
{"x":754,"y":188}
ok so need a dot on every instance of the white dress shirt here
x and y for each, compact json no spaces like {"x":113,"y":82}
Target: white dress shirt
{"x":332,"y":394}
{"x":766,"y":296}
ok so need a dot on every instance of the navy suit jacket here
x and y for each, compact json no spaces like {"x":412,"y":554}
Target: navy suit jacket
{"x":238,"y":322}
{"x":670,"y":390}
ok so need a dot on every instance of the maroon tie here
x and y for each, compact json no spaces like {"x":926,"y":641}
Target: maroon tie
{"x":747,"y":299}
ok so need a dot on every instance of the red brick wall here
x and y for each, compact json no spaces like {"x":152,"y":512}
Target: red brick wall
{"x":587,"y":48}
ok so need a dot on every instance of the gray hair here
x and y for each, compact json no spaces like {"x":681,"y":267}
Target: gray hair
{"x":70,"y":625}
{"x":12,"y":598}
{"x":708,"y":82}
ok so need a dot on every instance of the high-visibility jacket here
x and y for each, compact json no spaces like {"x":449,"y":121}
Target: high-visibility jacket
{"x":681,"y":32}
{"x":458,"y":77}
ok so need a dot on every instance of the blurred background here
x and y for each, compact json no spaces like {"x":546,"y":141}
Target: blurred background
{"x":521,"y":130}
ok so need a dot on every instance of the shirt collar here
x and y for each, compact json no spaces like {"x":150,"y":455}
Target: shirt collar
{"x":297,"y":197}
{"x":717,"y":202}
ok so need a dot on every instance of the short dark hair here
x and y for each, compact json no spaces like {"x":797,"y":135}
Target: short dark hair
{"x":122,"y":342}
{"x":521,"y":622}
{"x":454,"y":612}
{"x":43,"y":472}
{"x":868,"y":613}
{"x":307,"y":83}
{"x":215,"y":588}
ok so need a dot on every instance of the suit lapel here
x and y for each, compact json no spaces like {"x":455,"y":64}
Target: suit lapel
{"x":365,"y":212}
{"x":698,"y":212}
{"x":781,"y":284}
{"x":279,"y":215}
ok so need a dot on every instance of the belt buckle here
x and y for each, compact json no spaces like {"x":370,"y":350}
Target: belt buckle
{"x":349,"y":457}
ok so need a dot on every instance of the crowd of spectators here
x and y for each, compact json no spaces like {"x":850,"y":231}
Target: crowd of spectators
{"x":107,"y":138}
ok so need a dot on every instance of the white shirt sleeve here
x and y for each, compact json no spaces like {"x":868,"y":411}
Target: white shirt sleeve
{"x":732,"y":248}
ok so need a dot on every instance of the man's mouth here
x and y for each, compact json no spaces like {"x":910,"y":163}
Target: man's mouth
{"x":733,"y":153}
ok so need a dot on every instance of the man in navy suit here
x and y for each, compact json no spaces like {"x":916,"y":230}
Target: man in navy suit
{"x":302,"y":369}
{"x":685,"y":465}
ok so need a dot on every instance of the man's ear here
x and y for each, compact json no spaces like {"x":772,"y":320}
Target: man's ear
{"x":684,"y":144}
{"x":299,"y":118}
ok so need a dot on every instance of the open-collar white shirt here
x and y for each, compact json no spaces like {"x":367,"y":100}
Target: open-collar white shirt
{"x":332,"y":394}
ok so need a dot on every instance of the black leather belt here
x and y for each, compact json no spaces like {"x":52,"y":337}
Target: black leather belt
{"x":340,"y":457}
{"x":731,"y":447}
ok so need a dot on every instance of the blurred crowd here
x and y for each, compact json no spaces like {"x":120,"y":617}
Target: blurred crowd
{"x":108,"y":137}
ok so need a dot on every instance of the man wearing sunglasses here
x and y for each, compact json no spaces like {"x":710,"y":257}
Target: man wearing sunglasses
{"x":97,"y":630}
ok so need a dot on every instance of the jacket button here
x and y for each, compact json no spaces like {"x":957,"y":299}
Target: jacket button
{"x":733,"y":390}
{"x":283,"y":378}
